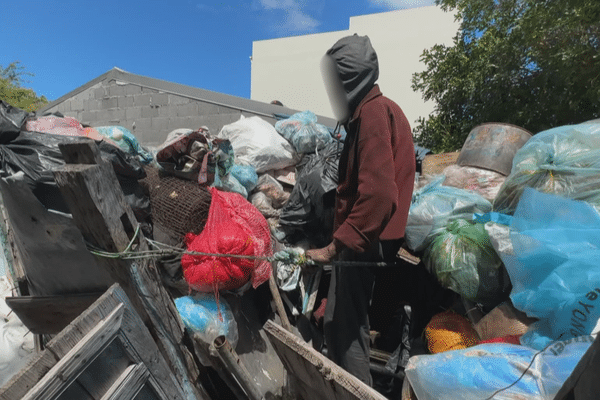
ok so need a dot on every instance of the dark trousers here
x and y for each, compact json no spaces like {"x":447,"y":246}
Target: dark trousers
{"x":346,"y":319}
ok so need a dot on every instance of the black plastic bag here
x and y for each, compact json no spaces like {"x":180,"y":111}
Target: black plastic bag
{"x":11,"y":121}
{"x":37,"y":155}
{"x":308,"y":214}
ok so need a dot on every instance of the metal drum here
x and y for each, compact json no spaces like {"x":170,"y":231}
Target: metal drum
{"x":493,"y":146}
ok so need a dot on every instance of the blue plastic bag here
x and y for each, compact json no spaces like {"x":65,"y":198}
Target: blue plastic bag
{"x":246,"y":175}
{"x":434,"y":206}
{"x":303,"y":132}
{"x":206,"y":319}
{"x":555,"y":271}
{"x":476,"y":373}
{"x":126,"y":141}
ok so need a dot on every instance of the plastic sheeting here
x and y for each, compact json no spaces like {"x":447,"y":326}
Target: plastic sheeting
{"x":16,"y":342}
{"x":564,"y":161}
{"x":484,"y":182}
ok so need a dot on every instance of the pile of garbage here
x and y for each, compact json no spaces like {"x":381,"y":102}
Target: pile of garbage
{"x":515,"y":236}
{"x":521,"y":251}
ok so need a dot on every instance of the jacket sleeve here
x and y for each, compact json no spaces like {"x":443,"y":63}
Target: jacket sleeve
{"x":377,"y":195}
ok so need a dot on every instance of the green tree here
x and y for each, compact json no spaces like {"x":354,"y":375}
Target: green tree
{"x":11,"y":80}
{"x":532,"y":63}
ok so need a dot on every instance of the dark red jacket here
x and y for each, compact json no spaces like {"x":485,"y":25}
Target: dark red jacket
{"x":376,"y":174}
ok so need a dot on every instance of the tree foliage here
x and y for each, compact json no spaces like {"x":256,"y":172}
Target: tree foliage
{"x":12,"y":78}
{"x":531,"y":63}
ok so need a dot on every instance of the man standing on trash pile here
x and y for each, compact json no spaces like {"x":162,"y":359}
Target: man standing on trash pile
{"x":376,"y":178}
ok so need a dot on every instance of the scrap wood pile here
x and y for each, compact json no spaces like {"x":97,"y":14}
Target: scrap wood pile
{"x":207,"y":205}
{"x":514,"y":232}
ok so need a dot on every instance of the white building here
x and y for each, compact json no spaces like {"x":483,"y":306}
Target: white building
{"x":288,"y":69}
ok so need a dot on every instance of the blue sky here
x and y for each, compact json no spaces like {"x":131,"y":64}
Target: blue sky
{"x":202,"y":43}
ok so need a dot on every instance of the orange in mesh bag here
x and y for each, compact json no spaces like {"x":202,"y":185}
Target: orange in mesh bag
{"x":234,"y":226}
{"x":449,"y":331}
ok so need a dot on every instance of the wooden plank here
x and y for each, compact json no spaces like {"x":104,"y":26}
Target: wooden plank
{"x":99,"y":210}
{"x":139,"y":347}
{"x":28,"y":377}
{"x":318,"y":377}
{"x":50,"y":314}
{"x":129,"y":383}
{"x":69,"y":367}
{"x":583,"y":383}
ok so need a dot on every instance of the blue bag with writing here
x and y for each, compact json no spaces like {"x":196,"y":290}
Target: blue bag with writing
{"x":555,"y":271}
{"x":496,"y":370}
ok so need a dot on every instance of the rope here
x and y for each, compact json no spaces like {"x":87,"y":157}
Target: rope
{"x":288,"y":256}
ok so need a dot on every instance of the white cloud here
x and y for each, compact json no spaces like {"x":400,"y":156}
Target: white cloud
{"x":401,"y":4}
{"x":294,"y":18}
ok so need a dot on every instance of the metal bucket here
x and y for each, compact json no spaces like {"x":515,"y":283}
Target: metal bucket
{"x":493,"y":146}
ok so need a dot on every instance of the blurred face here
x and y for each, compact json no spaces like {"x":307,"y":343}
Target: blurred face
{"x":335,"y":89}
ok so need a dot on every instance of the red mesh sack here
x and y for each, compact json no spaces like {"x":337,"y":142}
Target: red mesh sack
{"x":234,"y":226}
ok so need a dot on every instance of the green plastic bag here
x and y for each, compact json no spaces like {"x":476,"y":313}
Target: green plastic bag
{"x":463,"y":259}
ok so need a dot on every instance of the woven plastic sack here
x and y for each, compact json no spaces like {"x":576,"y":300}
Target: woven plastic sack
{"x":497,"y":370}
{"x":449,"y":331}
{"x":482,"y":181}
{"x":234,"y":227}
{"x":564,"y":161}
{"x":463,"y":259}
{"x":208,"y":318}
{"x":434,"y":206}
{"x":303,"y":132}
{"x":555,"y":271}
{"x":256,"y":142}
{"x":126,"y":141}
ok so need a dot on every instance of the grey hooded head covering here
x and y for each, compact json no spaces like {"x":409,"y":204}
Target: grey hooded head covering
{"x":357,"y":66}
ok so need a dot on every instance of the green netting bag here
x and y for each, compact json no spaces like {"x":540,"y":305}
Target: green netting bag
{"x":463,"y":259}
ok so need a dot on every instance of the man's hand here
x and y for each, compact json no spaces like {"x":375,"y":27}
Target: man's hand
{"x":324,"y":255}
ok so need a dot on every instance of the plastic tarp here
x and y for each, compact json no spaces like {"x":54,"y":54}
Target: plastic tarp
{"x":555,"y":271}
{"x":564,"y":161}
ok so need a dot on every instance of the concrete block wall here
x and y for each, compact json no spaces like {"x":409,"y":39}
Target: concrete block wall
{"x":148,"y":113}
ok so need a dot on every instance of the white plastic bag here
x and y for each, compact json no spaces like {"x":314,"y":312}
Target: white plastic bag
{"x":256,"y":142}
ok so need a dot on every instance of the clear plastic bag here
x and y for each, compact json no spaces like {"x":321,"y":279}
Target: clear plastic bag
{"x":478,"y":372}
{"x":563,"y":161}
{"x":463,"y":260}
{"x":434,"y":206}
{"x":207,"y":318}
{"x":303,"y":132}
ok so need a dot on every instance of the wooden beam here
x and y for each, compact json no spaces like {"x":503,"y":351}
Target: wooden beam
{"x":97,"y":204}
{"x":317,"y":377}
{"x":50,"y":314}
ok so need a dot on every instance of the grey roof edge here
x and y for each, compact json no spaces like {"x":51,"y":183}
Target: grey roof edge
{"x":220,"y":99}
